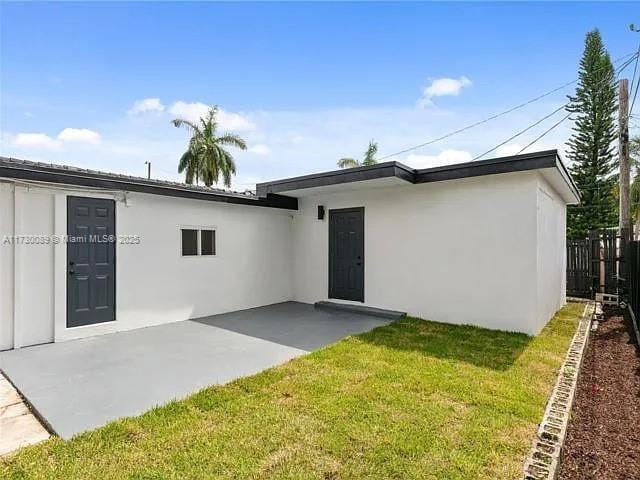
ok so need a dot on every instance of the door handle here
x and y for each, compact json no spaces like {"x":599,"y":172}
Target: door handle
{"x":72,"y":272}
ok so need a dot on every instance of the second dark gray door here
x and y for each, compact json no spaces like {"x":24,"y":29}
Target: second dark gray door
{"x":91,"y":261}
{"x":346,"y":254}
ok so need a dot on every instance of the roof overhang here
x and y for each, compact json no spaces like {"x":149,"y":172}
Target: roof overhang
{"x":394,"y":173}
{"x":56,"y":174}
{"x":380,"y":174}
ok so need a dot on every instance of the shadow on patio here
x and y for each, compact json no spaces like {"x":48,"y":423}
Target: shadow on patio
{"x":297,"y":325}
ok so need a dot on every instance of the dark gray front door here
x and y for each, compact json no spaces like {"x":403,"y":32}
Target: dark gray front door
{"x":346,"y":254}
{"x":91,"y":261}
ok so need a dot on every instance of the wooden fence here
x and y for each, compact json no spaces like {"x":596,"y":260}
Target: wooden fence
{"x":596,"y":264}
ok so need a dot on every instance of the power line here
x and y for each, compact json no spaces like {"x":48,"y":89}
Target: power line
{"x":538,"y":122}
{"x":497,"y":115}
{"x":617,"y":73}
{"x":545,"y":132}
{"x":633,"y":102}
{"x":635,"y":68}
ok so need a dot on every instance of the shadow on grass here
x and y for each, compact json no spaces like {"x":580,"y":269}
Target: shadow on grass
{"x":481,"y":347}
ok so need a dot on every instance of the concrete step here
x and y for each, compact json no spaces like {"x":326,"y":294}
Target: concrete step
{"x":360,"y":309}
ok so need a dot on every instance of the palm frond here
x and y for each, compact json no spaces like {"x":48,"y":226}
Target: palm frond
{"x":348,"y":163}
{"x":233,"y":140}
{"x":189,"y":165}
{"x":185,"y":161}
{"x":190,"y":126}
{"x":370,"y":154}
{"x":213,"y":112}
{"x":229,"y":168}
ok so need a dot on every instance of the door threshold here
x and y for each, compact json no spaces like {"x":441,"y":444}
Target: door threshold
{"x":360,"y":310}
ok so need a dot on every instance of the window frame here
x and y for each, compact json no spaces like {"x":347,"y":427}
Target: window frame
{"x":213,"y":246}
{"x":182,"y":230}
{"x":199,"y":229}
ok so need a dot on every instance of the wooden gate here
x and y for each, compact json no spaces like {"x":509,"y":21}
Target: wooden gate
{"x":579,"y":282}
{"x":596,"y":264}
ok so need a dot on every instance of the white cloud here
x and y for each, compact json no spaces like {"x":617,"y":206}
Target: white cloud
{"x":243,"y":183}
{"x":446,"y":157}
{"x":259,"y":149}
{"x":440,"y":87}
{"x":83,"y":135}
{"x":234,"y":121}
{"x":146,"y":105}
{"x":189,"y":111}
{"x":508,"y":149}
{"x":35,"y":140}
{"x":196,"y":110}
{"x":28,"y":140}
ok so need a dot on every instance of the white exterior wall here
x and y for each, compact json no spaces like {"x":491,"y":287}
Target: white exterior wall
{"x":6,"y":267}
{"x":154,"y":283}
{"x":460,"y":251}
{"x":26,"y":293}
{"x":487,"y":251}
{"x":551,"y":252}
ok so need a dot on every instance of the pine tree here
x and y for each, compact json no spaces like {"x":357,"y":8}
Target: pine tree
{"x":591,"y":147}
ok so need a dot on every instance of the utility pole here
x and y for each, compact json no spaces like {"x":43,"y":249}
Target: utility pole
{"x":623,"y":152}
{"x":148,"y":164}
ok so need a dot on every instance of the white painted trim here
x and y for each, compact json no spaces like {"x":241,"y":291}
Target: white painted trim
{"x":60,"y":266}
{"x":17,"y":270}
{"x":9,"y":257}
{"x":198,"y":229}
{"x":61,"y":331}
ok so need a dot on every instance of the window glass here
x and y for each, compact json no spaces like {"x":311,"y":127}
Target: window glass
{"x":207,"y":242}
{"x":189,"y":242}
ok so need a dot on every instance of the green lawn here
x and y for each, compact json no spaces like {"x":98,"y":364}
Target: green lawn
{"x":415,"y":399}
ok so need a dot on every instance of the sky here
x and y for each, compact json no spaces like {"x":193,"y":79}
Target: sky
{"x":96,"y":85}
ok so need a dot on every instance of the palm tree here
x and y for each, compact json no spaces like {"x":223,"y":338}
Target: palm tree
{"x":205,"y":157}
{"x":369,"y":158}
{"x":370,"y":154}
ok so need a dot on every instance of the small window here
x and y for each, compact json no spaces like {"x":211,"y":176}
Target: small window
{"x":189,"y":242}
{"x":207,"y":242}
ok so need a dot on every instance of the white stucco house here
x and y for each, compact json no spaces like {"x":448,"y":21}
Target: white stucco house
{"x":85,"y":253}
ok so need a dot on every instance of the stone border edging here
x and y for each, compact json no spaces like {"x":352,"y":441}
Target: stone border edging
{"x":544,"y":459}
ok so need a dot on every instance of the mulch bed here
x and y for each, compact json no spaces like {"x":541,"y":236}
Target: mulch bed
{"x":603,"y":440}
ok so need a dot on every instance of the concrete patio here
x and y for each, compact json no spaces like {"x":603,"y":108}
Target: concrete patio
{"x":83,"y":384}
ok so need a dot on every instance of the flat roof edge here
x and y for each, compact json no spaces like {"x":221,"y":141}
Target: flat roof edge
{"x":334,"y":177}
{"x":492,"y":166}
{"x":59,"y":175}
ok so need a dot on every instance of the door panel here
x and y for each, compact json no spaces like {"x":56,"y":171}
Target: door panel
{"x":91,"y":261}
{"x":346,"y":254}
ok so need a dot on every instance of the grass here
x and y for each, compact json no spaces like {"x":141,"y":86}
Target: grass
{"x":414,"y":399}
